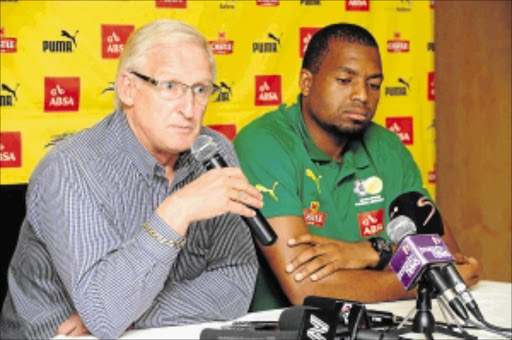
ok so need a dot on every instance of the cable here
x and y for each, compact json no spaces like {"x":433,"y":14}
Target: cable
{"x":482,"y":326}
{"x":496,"y":328}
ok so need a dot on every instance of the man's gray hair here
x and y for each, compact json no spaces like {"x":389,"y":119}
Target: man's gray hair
{"x":159,"y":32}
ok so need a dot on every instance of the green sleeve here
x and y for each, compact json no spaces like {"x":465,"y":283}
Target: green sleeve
{"x":267,"y":163}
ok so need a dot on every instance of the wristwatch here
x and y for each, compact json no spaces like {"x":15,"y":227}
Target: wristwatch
{"x":384,"y":249}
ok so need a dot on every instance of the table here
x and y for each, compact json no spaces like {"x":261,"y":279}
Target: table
{"x":494,"y":299}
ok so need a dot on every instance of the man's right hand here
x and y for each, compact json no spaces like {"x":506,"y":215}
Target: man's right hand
{"x":214,"y":193}
{"x":469,"y":268}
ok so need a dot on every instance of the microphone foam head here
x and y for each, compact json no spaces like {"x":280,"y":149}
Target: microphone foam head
{"x":420,"y":209}
{"x":203,"y":148}
{"x":400,"y":227}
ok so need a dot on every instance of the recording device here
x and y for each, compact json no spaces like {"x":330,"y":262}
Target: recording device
{"x":329,"y":319}
{"x":205,"y":151}
{"x":427,"y":220}
{"x":420,"y":257}
{"x":373,"y":318}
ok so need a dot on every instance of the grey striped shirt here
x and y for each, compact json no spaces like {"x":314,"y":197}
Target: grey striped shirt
{"x":82,"y":248}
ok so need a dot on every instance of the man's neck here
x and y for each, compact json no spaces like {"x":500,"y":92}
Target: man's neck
{"x":331,"y":144}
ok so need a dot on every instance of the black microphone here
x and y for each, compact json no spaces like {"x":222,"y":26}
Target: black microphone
{"x":420,"y":209}
{"x":421,"y":257}
{"x":205,"y":151}
{"x":427,"y":220}
{"x":318,"y":323}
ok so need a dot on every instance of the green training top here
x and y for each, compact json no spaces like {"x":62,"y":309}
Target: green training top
{"x":345,"y":200}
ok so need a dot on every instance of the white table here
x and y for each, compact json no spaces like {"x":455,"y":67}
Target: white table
{"x":494,"y":300}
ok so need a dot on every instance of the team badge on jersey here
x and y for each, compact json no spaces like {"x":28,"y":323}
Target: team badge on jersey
{"x":314,"y":217}
{"x":368,"y":190}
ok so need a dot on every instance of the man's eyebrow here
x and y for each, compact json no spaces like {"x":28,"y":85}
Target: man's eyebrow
{"x":352,"y":72}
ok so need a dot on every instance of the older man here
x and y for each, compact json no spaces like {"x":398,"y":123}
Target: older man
{"x":124,"y":228}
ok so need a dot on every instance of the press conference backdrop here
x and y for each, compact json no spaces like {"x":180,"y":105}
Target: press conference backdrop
{"x":59,"y":58}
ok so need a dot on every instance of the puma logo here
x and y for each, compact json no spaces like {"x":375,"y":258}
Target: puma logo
{"x":271,"y":192}
{"x":6,"y":88}
{"x":69,"y":36}
{"x":311,"y":174}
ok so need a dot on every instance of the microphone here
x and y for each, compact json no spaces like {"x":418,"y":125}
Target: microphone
{"x":318,"y":323}
{"x":205,"y":151}
{"x":422,"y":256}
{"x":375,"y":318}
{"x":420,"y":209}
{"x":427,"y":220}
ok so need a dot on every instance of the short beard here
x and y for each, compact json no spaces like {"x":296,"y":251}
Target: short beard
{"x":342,"y":133}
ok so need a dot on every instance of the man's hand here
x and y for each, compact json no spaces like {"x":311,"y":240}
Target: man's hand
{"x":214,"y":193}
{"x":73,"y":327}
{"x":469,"y":268}
{"x":325,"y":256}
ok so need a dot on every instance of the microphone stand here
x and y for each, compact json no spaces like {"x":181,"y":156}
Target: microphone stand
{"x":424,"y":321}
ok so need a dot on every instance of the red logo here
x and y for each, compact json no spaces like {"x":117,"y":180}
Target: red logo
{"x":371,"y":223}
{"x":305,"y":35}
{"x":114,"y":38}
{"x":357,"y":5}
{"x":268,"y":90}
{"x":402,"y":127}
{"x":398,"y":45}
{"x":221,"y":46}
{"x":314,"y":217}
{"x":431,"y":94}
{"x":228,"y":130}
{"x":432,"y":4}
{"x":61,"y":94}
{"x":267,"y":3}
{"x":432,"y":175}
{"x":10,"y":150}
{"x":171,"y":3}
{"x":7,"y":45}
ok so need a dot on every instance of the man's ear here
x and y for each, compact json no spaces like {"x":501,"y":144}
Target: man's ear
{"x":305,"y":80}
{"x":125,"y":88}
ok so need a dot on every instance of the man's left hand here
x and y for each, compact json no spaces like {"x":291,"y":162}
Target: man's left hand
{"x":326,"y":256}
{"x":73,"y":327}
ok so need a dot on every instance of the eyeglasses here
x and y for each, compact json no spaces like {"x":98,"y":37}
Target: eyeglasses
{"x":170,"y":90}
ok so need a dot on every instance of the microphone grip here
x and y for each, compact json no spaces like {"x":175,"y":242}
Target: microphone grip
{"x":260,"y":228}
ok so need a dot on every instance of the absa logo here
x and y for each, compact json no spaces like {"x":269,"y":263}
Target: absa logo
{"x":61,"y":94}
{"x":305,"y":35}
{"x":10,"y":149}
{"x":402,"y":127}
{"x":268,"y":90}
{"x":114,"y":38}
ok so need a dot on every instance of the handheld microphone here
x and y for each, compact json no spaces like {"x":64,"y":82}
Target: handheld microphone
{"x":205,"y":151}
{"x":427,"y":220}
{"x":422,"y":256}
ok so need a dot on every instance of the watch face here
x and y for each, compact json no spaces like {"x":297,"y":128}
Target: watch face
{"x":384,"y":245}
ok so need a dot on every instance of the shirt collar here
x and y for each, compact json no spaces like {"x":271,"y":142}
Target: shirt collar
{"x":354,"y":156}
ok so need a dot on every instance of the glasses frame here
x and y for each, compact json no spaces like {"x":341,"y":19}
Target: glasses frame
{"x":160,"y":84}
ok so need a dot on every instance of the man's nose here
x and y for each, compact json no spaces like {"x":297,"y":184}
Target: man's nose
{"x":360,"y":92}
{"x":187,"y":103}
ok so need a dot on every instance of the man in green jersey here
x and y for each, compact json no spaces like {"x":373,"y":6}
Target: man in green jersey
{"x":328,"y":174}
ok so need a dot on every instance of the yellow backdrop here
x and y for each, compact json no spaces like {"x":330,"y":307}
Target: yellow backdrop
{"x":59,"y":58}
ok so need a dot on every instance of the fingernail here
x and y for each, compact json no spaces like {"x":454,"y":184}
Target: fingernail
{"x":289,"y":267}
{"x":298,"y":277}
{"x":291,"y":242}
{"x":314,"y":277}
